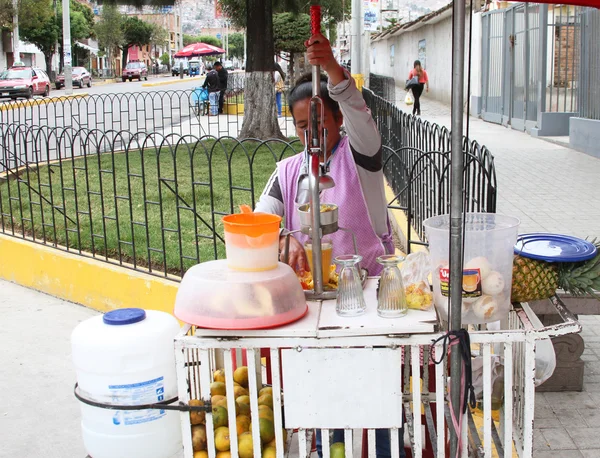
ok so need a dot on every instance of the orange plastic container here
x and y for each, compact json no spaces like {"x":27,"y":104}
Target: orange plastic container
{"x":252,"y":241}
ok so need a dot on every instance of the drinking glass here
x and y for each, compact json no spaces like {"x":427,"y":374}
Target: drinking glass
{"x":391,"y":302}
{"x":350,"y":300}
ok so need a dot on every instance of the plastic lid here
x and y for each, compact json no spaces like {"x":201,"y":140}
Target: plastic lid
{"x":554,"y":247}
{"x":121,"y":317}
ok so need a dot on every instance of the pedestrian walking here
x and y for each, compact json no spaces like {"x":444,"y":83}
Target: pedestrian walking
{"x":421,"y":82}
{"x":212,"y":84}
{"x":223,"y":75}
{"x":279,"y":78}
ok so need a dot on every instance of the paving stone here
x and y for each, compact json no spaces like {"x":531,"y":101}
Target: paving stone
{"x":591,"y":417}
{"x":548,"y":422}
{"x":543,"y":411}
{"x":584,"y":438}
{"x":539,"y":441}
{"x":569,"y":400}
{"x":553,"y":454}
{"x":590,"y":453}
{"x":558,"y":439}
{"x":571,"y":418}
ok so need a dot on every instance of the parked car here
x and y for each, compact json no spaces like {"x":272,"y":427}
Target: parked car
{"x":135,"y":70}
{"x":80,"y":77}
{"x":21,"y":81}
{"x":228,"y":64}
{"x":175,"y":69}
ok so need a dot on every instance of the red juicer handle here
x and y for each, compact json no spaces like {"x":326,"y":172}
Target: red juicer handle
{"x":315,"y":19}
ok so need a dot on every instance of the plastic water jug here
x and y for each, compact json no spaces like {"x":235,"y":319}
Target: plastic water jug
{"x":127,"y":357}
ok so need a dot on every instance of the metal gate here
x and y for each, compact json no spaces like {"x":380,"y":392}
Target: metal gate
{"x":511,"y":70}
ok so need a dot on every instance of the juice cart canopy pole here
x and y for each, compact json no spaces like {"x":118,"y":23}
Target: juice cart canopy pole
{"x":456,"y":210}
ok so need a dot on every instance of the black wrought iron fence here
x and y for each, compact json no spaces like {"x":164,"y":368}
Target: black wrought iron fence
{"x":383,"y":86}
{"x":417,"y":167}
{"x":182,"y":112}
{"x":154,"y":201}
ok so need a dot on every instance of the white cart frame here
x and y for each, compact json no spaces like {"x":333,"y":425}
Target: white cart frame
{"x":198,"y":356}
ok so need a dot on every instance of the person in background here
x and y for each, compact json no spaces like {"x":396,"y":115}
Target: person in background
{"x":417,"y":91}
{"x":279,"y":78}
{"x":223,"y":75}
{"x":212,"y":84}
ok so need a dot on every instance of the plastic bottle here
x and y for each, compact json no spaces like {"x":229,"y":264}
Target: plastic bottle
{"x":127,"y":357}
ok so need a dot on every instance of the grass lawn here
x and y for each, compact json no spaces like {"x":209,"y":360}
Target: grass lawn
{"x":114,"y":204}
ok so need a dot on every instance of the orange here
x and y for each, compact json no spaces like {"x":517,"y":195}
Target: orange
{"x":222,"y":439}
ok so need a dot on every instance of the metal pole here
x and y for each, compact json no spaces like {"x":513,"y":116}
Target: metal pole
{"x":355,"y":51}
{"x":180,"y":24}
{"x":314,"y":156}
{"x":67,"y":46}
{"x":15,"y":41}
{"x":456,"y":206}
{"x":541,"y":94}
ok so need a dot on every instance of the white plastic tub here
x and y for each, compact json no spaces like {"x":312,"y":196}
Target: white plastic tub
{"x":487,"y":275}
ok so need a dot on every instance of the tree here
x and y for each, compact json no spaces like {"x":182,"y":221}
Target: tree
{"x":236,"y":45}
{"x":136,"y":33}
{"x":109,"y":30}
{"x":290,"y":32}
{"x":38,"y":25}
{"x":208,"y":39}
{"x":260,"y":119}
{"x":82,"y":25}
{"x":159,"y":37}
{"x":165,"y":59}
{"x":257,"y":16}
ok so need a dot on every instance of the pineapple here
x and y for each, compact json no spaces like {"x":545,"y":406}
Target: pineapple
{"x":536,"y":280}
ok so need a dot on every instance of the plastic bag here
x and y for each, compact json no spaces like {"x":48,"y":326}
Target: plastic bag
{"x":415,"y":276}
{"x":497,"y":372}
{"x":408,"y":100}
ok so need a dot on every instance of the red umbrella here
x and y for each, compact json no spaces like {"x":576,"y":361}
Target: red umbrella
{"x":199,"y":49}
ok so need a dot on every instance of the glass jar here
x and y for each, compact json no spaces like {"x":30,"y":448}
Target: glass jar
{"x":391,"y":301}
{"x":350,"y":299}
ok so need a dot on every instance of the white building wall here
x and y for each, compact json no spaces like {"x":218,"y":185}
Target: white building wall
{"x":438,"y":55}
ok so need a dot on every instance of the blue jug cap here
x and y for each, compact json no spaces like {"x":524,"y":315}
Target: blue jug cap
{"x":121,"y":317}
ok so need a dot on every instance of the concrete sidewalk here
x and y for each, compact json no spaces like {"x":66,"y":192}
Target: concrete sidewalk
{"x":39,"y":416}
{"x":548,"y":186}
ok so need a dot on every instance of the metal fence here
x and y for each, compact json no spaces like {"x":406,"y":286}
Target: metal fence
{"x":417,"y":167}
{"x":383,"y":86}
{"x":164,"y":112}
{"x":154,"y":201}
{"x":589,"y":77}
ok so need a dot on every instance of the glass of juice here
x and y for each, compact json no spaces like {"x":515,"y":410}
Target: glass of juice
{"x":326,"y":254}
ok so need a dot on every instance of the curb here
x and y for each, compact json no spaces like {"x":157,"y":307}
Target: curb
{"x":86,"y":281}
{"x":399,"y":223}
{"x":20,"y":104}
{"x":164,"y":83}
{"x":103,"y":82}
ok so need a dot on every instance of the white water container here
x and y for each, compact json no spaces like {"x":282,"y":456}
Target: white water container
{"x":127,"y":357}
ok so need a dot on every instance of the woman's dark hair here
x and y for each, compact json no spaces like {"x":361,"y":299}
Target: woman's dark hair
{"x":417,"y":62}
{"x":303,"y":90}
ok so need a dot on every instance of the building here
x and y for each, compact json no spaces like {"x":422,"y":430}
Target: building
{"x":168,"y":17}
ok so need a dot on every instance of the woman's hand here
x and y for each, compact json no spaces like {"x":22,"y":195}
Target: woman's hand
{"x":297,"y":259}
{"x":319,"y":52}
{"x":427,"y":89}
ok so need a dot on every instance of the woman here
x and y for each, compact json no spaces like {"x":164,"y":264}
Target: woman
{"x":417,"y":90}
{"x":355,"y":163}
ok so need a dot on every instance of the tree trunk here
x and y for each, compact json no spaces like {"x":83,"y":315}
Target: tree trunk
{"x":125,"y":54}
{"x":291,"y":75}
{"x":260,"y":114}
{"x":48,"y":60}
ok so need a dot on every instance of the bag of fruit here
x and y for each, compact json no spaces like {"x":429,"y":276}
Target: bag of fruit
{"x":415,"y":276}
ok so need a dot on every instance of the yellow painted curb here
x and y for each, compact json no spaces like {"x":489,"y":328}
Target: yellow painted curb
{"x":399,"y":222}
{"x":95,"y":284}
{"x":178,"y":80}
{"x":103,"y":82}
{"x":45,"y":100}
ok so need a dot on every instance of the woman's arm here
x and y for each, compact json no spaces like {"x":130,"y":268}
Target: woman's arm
{"x":362,"y":130}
